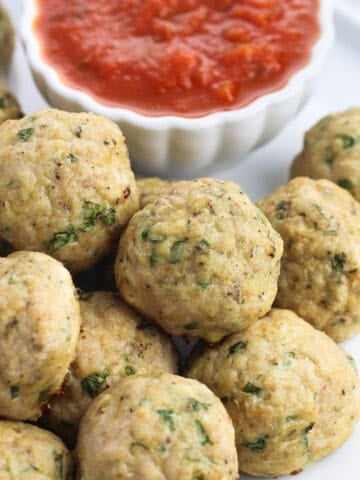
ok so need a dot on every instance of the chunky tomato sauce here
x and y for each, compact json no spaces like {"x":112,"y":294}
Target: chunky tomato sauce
{"x":182,"y":57}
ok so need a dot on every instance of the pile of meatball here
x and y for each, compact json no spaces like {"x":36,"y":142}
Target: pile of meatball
{"x":98,"y":271}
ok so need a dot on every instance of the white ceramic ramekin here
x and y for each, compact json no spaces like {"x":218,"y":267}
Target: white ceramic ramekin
{"x":175,"y":146}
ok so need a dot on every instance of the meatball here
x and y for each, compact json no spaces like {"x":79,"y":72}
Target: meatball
{"x":9,"y":106}
{"x":39,"y":329}
{"x":150,"y":188}
{"x":292,"y":393}
{"x":66,"y":186}
{"x":201,"y":260}
{"x":332,"y":151}
{"x":115,"y":342}
{"x":28,"y":452}
{"x":320,"y":270}
{"x":7,"y":40}
{"x":151,"y":427}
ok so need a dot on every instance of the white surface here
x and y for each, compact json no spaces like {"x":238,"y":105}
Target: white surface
{"x":265,"y":169}
{"x":170,"y":144}
{"x":351,"y":10}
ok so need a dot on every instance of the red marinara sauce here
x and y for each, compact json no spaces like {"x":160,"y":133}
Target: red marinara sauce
{"x":177,"y":57}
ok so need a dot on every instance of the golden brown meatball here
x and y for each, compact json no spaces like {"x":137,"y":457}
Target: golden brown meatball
{"x":292,"y":393}
{"x":157,"y":427}
{"x":320,"y":270}
{"x":332,"y":151}
{"x":30,"y":453}
{"x":201,"y":260}
{"x":9,"y":106}
{"x":66,"y":186}
{"x":115,"y":342}
{"x":39,"y":329}
{"x":7,"y":37}
{"x":150,"y":188}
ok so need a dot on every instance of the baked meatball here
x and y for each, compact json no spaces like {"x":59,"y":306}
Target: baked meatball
{"x":9,"y":106}
{"x":157,"y":427}
{"x":30,"y":453}
{"x":115,"y":342}
{"x":201,"y":260}
{"x":66,"y":185}
{"x":332,"y":150}
{"x":320,"y":270}
{"x":39,"y":329}
{"x":292,"y":393}
{"x":149,"y":189}
{"x":7,"y":38}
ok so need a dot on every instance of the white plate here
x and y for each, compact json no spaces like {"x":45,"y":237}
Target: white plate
{"x":350,"y":10}
{"x":267,"y":168}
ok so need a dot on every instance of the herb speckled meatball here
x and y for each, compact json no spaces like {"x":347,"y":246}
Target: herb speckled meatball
{"x":30,"y":453}
{"x":9,"y":106}
{"x":7,"y":37}
{"x":66,"y":186}
{"x":332,"y":151}
{"x":320,"y":270}
{"x":39,"y":329}
{"x":149,"y":188}
{"x":156,"y":428}
{"x":292,"y":393}
{"x":114,"y":342}
{"x":201,"y":260}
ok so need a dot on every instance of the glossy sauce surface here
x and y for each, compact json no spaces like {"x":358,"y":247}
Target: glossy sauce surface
{"x":177,"y":57}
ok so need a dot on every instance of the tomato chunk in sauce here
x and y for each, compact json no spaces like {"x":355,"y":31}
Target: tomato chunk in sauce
{"x":177,"y":57}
